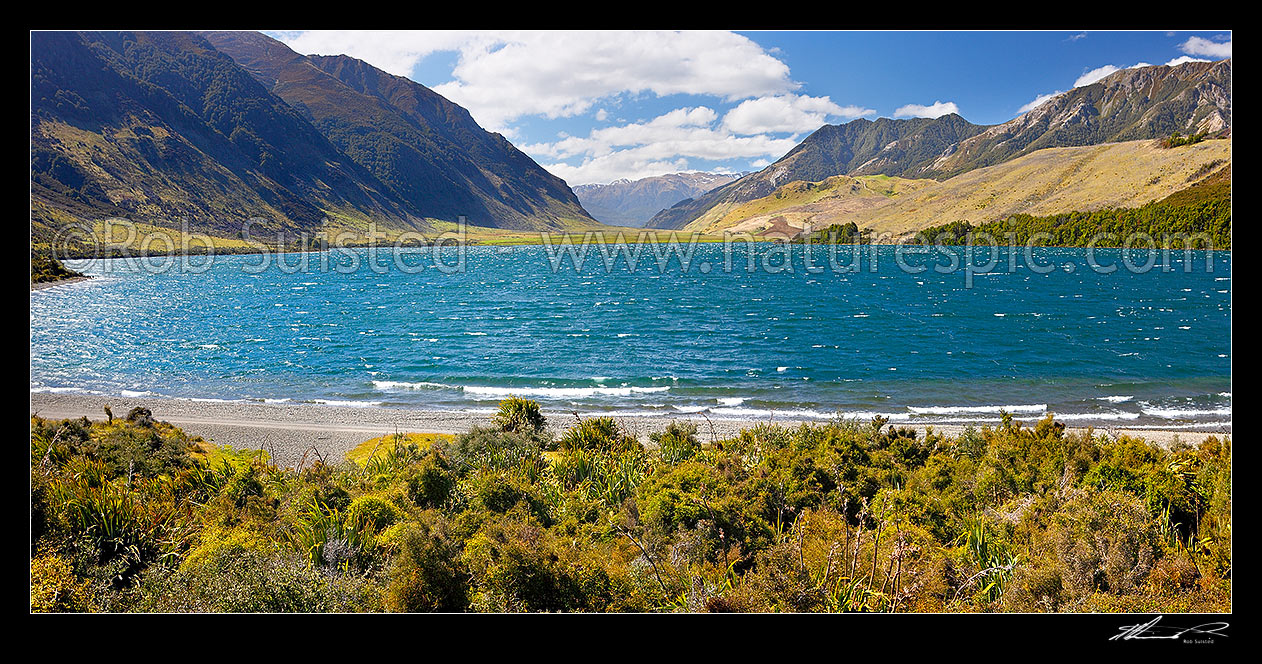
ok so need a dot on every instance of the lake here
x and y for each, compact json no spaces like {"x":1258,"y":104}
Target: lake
{"x":895,"y":336}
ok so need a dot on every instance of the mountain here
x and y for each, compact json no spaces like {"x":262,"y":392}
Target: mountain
{"x":633,"y":202}
{"x":884,"y":146}
{"x":160,"y":126}
{"x":428,"y":151}
{"x":1044,"y":182}
{"x":1132,"y":104}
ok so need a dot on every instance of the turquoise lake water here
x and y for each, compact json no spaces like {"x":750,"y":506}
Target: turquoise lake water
{"x":1125,"y":348}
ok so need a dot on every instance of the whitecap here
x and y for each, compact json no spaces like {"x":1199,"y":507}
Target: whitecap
{"x":349,"y":404}
{"x":1182,"y":413}
{"x":956,"y":410}
{"x":559,"y":392}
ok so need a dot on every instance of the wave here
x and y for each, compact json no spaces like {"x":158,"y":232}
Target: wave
{"x":960,"y":410}
{"x":404,"y":385}
{"x":1097,"y":416}
{"x":559,"y":392}
{"x":1115,"y":399}
{"x":761,"y":413}
{"x":1184,"y":413}
{"x":63,"y":390}
{"x":1200,"y":425}
{"x":346,"y":403}
{"x":501,"y":392}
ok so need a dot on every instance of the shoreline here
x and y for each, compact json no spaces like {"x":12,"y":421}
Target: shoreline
{"x":289,"y":430}
{"x":60,"y":282}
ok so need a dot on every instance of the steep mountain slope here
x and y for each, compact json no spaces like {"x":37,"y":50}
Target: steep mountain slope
{"x":160,"y":126}
{"x":1131,"y":104}
{"x":634,"y":202}
{"x":427,"y":150}
{"x":1049,"y":181}
{"x":885,"y":146}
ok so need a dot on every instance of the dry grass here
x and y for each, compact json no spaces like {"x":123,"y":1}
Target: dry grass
{"x":1045,"y":182}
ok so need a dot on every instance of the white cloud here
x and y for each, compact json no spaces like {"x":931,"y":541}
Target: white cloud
{"x":656,"y":147}
{"x":1099,"y":73}
{"x":1182,"y":59}
{"x":1207,"y":48}
{"x":1095,"y":75}
{"x":501,"y":76}
{"x":935,"y":110}
{"x":626,"y":164}
{"x":395,"y":51}
{"x":787,"y":114}
{"x":602,"y":115}
{"x":1039,"y":101}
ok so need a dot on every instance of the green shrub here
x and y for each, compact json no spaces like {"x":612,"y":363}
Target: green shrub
{"x":519,"y":415}
{"x":372,"y":512}
{"x":597,"y":433}
{"x":431,"y":482}
{"x":677,"y":443}
{"x":427,"y":573}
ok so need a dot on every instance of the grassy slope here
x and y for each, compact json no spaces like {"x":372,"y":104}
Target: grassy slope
{"x":1045,"y":182}
{"x":799,"y":199}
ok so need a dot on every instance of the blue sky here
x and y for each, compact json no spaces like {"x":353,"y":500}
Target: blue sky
{"x":594,"y":107}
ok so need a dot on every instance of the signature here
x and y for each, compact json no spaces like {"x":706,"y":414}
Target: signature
{"x":1151,"y":630}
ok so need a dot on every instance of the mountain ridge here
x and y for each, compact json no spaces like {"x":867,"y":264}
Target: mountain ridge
{"x":1132,"y":104}
{"x":429,"y":151}
{"x":1043,"y":182}
{"x":626,"y":202}
{"x":833,"y":150}
{"x":163,"y":126}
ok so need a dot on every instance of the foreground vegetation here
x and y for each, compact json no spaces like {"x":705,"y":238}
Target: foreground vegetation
{"x":130,"y":514}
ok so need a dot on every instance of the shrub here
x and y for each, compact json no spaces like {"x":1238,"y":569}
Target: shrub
{"x":500,"y":493}
{"x":597,"y":433}
{"x":1105,"y":541}
{"x":54,"y":586}
{"x":492,"y":449}
{"x":519,"y":415}
{"x":430,"y":484}
{"x":427,"y":574}
{"x":245,"y":580}
{"x":372,"y":512}
{"x":677,"y":443}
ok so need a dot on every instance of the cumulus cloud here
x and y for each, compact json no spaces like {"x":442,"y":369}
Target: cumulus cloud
{"x":1101,"y":72}
{"x":788,"y":114}
{"x":656,"y":147}
{"x":395,"y":51}
{"x":1184,"y":59}
{"x":935,"y":110}
{"x":1207,"y":48}
{"x":501,"y":76}
{"x":1095,"y":75}
{"x":1039,"y":101}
